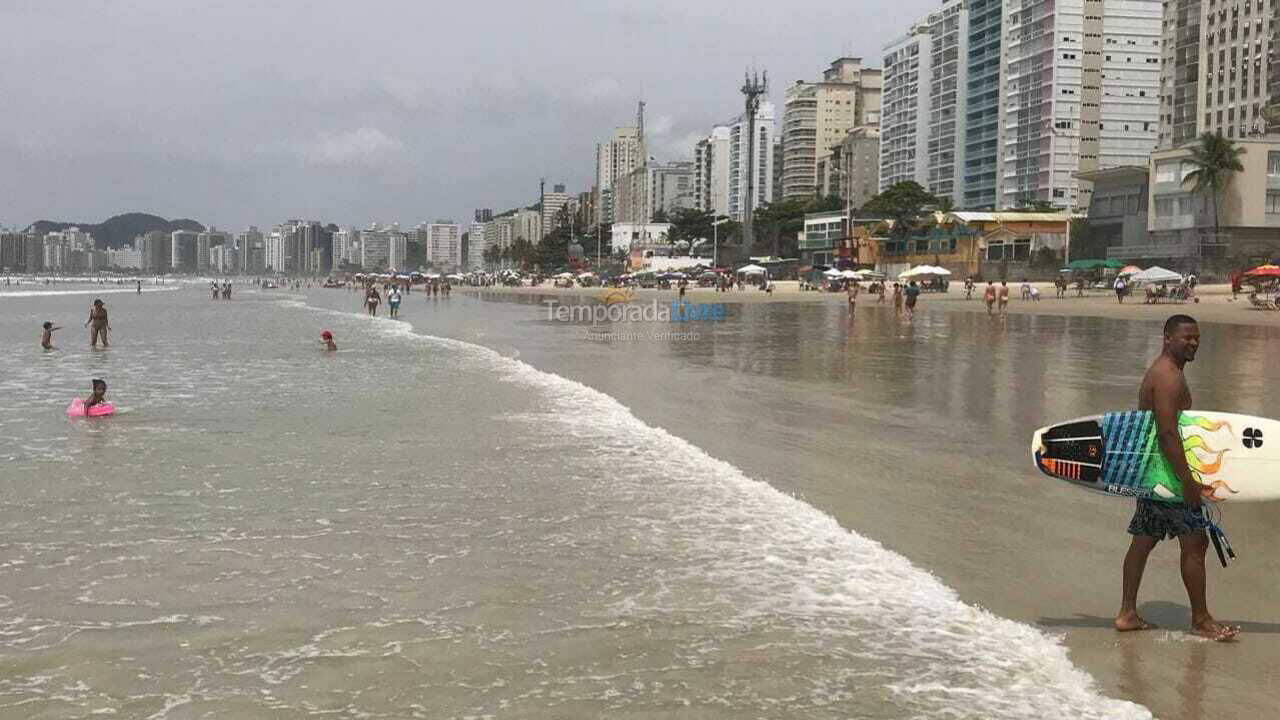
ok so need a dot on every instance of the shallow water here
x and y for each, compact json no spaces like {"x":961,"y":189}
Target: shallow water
{"x":424,"y":524}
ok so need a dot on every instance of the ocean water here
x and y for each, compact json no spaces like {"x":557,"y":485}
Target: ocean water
{"x":433,"y":522}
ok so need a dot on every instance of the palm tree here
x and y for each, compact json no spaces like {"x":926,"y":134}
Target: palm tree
{"x":1216,"y":159}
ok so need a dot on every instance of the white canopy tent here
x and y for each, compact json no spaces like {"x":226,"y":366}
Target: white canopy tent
{"x":1156,"y":274}
{"x":752,"y":270}
{"x":923,"y":271}
{"x":833,"y":273}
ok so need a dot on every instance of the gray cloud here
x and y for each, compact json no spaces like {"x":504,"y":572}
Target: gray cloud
{"x":238,"y":112}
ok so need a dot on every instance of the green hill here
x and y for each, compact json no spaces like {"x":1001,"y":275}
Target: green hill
{"x":120,"y":230}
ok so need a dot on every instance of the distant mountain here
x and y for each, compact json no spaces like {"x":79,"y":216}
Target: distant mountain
{"x":120,"y":230}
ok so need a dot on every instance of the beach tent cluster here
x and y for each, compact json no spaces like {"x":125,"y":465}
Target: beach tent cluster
{"x":923,"y":271}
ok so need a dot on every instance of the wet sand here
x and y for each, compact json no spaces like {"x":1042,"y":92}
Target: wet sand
{"x":1215,"y":306}
{"x":915,"y":434}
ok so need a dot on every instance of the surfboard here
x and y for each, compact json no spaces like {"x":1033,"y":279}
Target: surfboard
{"x":1236,"y":457}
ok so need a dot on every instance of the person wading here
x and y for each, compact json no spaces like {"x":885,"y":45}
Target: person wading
{"x":1165,"y":393}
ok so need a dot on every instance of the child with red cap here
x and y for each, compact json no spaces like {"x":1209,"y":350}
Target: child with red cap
{"x":326,"y":337}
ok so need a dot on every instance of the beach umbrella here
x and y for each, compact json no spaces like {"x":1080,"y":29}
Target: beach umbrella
{"x":850,"y":274}
{"x":1268,"y":270}
{"x":940,"y":270}
{"x":1130,"y":269}
{"x":752,"y":270}
{"x":834,"y":273}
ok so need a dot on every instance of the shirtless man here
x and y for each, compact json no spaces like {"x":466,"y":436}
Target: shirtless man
{"x":98,"y":321}
{"x":1165,"y":393}
{"x":989,"y":296}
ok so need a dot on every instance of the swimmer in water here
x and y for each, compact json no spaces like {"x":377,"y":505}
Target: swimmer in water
{"x":326,"y":337}
{"x":98,"y":397}
{"x":46,"y":338}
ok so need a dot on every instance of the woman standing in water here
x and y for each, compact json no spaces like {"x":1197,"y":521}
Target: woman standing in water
{"x":98,"y":321}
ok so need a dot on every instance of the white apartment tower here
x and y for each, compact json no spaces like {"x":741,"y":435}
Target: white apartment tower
{"x":922,"y":118}
{"x":617,"y":156}
{"x":444,"y":244}
{"x":711,"y":172}
{"x":1081,"y":87}
{"x":763,"y":169}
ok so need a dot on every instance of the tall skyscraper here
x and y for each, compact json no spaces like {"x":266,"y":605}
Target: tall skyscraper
{"x":711,"y":172}
{"x":182,"y":251}
{"x":923,"y":113}
{"x":444,"y":244}
{"x":818,"y":115}
{"x":250,"y":251}
{"x":763,"y":166}
{"x":1081,"y":84}
{"x":617,"y":156}
{"x":983,"y":98}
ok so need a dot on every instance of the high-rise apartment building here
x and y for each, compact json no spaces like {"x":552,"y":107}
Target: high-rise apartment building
{"x":13,"y":251}
{"x":1220,"y":68}
{"x":617,"y":156}
{"x":982,"y":96}
{"x":484,"y":215}
{"x":657,"y":187}
{"x":711,"y":172}
{"x":444,"y":244}
{"x":818,"y":115}
{"x":250,"y":252}
{"x":922,"y":119}
{"x":476,"y":247}
{"x":382,"y":248}
{"x":763,"y":166}
{"x":182,"y":251}
{"x":1081,"y":86}
{"x":552,"y":203}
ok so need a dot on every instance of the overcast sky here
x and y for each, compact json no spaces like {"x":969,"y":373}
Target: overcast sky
{"x":236,"y":113}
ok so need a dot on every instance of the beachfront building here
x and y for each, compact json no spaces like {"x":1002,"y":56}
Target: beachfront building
{"x":125,"y":258}
{"x":250,"y":250}
{"x":825,"y":240}
{"x":444,"y":245}
{"x":68,"y":250}
{"x":222,"y":259}
{"x":205,"y":242}
{"x":923,"y":107}
{"x":13,"y":251}
{"x":1118,"y":212}
{"x":182,"y":251}
{"x":155,"y":248}
{"x":711,"y":172}
{"x":1081,"y":93}
{"x":626,"y":235}
{"x":621,"y":153}
{"x":382,"y":248}
{"x":993,"y":245}
{"x":983,"y":100}
{"x":1182,"y":222}
{"x":346,"y":247}
{"x":656,"y":188}
{"x":477,"y":244}
{"x":818,"y":115}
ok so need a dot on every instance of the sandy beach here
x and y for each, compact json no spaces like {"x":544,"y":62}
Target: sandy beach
{"x":944,"y":403}
{"x":1215,"y":306}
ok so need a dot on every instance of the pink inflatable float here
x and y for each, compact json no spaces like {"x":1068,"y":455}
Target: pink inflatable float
{"x":76,"y":409}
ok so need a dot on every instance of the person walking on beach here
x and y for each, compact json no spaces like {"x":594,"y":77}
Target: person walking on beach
{"x":1004,"y":297}
{"x":880,"y":293}
{"x":46,"y":337}
{"x":98,"y":323}
{"x":393,"y":301}
{"x":989,"y":296}
{"x":682,"y":285}
{"x":851,"y":289}
{"x":371,"y":300}
{"x":897,"y":298}
{"x":1119,"y":288}
{"x":1165,"y":393}
{"x":912,"y":293}
{"x":1026,"y":289}
{"x":139,"y":287}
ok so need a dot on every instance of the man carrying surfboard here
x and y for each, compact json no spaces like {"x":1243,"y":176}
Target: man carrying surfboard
{"x":1165,"y":393}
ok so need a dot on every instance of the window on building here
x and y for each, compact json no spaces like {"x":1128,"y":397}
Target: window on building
{"x":1167,"y":172}
{"x":1273,"y":203}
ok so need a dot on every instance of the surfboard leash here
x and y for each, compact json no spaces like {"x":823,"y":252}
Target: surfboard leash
{"x":1219,"y":538}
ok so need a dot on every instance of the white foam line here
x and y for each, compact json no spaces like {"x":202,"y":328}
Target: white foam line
{"x":998,"y":667}
{"x":100,"y":291}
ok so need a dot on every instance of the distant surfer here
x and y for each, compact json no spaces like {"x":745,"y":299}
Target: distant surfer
{"x":1165,"y":393}
{"x":98,"y":323}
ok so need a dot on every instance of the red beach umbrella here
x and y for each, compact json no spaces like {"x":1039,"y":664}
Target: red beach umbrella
{"x":1267,"y":270}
